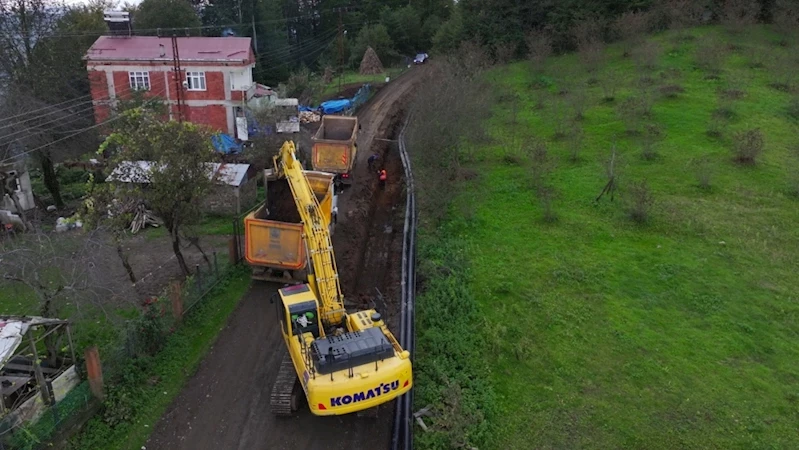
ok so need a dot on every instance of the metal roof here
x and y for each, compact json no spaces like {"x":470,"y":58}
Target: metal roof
{"x":138,"y":172}
{"x":159,"y":49}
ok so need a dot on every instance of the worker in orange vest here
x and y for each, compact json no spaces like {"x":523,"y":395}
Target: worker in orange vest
{"x":382,"y":174}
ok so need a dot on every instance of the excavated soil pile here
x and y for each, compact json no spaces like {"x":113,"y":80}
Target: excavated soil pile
{"x":370,"y":64}
{"x":280,"y":203}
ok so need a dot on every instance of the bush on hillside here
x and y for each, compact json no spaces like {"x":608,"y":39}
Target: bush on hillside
{"x":748,"y":145}
{"x":639,"y":201}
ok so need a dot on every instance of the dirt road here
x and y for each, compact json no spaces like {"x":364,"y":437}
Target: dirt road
{"x":226,"y":404}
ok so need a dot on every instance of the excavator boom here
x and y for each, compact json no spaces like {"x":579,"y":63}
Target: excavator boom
{"x":324,"y":277}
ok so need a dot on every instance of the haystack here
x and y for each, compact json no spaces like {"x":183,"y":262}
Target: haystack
{"x":370,"y":64}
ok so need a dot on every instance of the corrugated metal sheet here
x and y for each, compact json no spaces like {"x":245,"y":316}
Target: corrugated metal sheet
{"x":154,"y":48}
{"x":138,"y":172}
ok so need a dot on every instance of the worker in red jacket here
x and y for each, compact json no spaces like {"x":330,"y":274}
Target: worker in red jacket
{"x":382,"y":178}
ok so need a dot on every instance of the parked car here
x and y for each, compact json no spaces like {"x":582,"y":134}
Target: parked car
{"x":421,"y":58}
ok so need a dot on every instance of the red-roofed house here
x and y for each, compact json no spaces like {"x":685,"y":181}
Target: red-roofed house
{"x":216,"y":75}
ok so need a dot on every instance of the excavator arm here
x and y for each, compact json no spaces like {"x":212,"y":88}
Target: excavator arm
{"x":324,"y":275}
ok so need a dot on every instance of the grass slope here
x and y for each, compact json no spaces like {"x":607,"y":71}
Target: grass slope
{"x":678,"y":333}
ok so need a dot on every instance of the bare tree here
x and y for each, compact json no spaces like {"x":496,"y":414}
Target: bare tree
{"x":630,"y":28}
{"x":504,"y":52}
{"x":785,"y":15}
{"x":709,"y":56}
{"x":587,"y":36}
{"x":683,"y":14}
{"x":434,"y":139}
{"x":738,"y":15}
{"x":539,"y":47}
{"x":647,"y":55}
{"x":609,"y":84}
{"x":67,"y":274}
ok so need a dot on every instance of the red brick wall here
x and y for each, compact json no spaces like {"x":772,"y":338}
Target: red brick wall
{"x":212,"y":116}
{"x":214,"y":87}
{"x":98,"y":85}
{"x":101,"y":113}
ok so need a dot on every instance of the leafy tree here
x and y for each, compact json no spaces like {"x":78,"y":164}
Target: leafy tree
{"x":166,"y":14}
{"x":450,"y":34}
{"x":179,"y":176}
{"x":404,"y":25}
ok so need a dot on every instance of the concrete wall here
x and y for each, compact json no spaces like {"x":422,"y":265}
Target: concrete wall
{"x":228,"y":200}
{"x":25,"y":195}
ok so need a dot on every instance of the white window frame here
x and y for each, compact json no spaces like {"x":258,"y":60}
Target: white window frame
{"x":18,"y":182}
{"x":139,"y":81}
{"x":195,"y":81}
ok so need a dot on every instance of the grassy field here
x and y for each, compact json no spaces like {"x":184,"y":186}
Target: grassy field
{"x":601,"y":332}
{"x":355,"y":77}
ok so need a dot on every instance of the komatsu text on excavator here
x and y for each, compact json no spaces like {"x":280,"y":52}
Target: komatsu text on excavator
{"x":344,"y":362}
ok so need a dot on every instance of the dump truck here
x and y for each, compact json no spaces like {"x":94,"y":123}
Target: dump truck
{"x":273,"y":242}
{"x":335,"y":147}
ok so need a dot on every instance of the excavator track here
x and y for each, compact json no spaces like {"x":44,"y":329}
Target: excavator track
{"x":284,"y":392}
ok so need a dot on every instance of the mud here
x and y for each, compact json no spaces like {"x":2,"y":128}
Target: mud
{"x":226,"y":403}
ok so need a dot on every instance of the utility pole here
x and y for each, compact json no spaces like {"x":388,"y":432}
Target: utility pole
{"x":254,"y":35}
{"x":340,"y":51}
{"x":178,"y":75}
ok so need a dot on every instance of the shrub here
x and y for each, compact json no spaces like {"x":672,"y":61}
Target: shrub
{"x":737,"y":15}
{"x":630,"y":28}
{"x":609,"y":84}
{"x":793,"y":107}
{"x":539,"y":157}
{"x":539,"y":47}
{"x":716,"y":127}
{"x":575,"y":143}
{"x":748,"y":145}
{"x":546,"y":196}
{"x":639,"y":201}
{"x":578,"y":99}
{"x":709,"y":57}
{"x":647,"y":55}
{"x":671,"y":90}
{"x":704,"y":173}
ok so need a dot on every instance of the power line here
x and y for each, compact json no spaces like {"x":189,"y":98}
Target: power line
{"x":58,"y":110}
{"x":316,"y":14}
{"x":105,"y":122}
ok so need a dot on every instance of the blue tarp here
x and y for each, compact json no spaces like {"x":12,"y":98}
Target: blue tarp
{"x":224,"y":143}
{"x":305,"y":108}
{"x":334,"y":106}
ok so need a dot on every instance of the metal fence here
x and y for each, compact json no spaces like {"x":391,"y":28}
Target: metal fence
{"x":402,"y":433}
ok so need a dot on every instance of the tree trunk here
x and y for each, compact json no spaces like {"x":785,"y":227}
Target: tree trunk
{"x":178,"y":253}
{"x":195,"y":241}
{"x":20,"y":211}
{"x":50,"y":178}
{"x":124,"y":257}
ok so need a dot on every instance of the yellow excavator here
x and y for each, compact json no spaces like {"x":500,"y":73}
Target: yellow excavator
{"x":344,"y":362}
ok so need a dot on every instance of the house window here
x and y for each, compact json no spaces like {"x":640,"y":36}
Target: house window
{"x":139,"y":81}
{"x":17,"y":184}
{"x":196,"y":81}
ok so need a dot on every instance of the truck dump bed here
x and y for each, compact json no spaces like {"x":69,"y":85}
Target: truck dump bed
{"x":334,"y":144}
{"x":273,"y":232}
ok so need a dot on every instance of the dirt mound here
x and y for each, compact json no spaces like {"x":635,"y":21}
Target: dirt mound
{"x":370,"y":64}
{"x":280,"y":202}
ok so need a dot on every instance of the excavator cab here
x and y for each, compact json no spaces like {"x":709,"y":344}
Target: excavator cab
{"x":298,"y":311}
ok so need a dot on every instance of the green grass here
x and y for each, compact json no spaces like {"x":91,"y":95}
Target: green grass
{"x":209,"y":226}
{"x":355,"y":77}
{"x":172,"y":366}
{"x":678,"y":333}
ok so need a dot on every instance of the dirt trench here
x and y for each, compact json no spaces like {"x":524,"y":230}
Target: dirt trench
{"x":225,"y":405}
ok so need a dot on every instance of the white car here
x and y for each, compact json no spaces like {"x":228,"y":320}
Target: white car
{"x":421,"y":58}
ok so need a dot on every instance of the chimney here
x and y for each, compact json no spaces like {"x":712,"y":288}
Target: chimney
{"x":118,"y":23}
